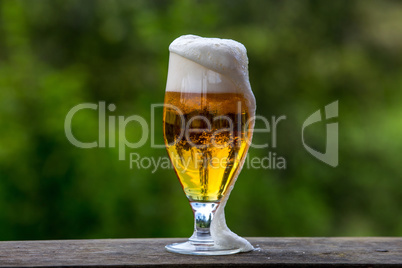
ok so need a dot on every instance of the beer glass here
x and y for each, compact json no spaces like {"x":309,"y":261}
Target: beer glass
{"x":208,"y":123}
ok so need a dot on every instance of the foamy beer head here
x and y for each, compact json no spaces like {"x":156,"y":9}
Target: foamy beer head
{"x":209,"y":65}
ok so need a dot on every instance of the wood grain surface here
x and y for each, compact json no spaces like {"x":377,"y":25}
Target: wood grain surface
{"x":274,"y":252}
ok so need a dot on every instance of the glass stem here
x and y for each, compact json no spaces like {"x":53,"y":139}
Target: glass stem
{"x":203,"y":216}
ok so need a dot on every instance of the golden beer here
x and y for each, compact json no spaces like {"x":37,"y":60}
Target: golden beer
{"x":208,"y":120}
{"x":207,"y":137}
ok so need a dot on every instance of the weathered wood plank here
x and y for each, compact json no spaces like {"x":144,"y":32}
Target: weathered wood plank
{"x":276,"y":252}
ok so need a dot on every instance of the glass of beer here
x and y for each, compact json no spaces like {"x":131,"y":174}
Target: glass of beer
{"x":208,"y":124}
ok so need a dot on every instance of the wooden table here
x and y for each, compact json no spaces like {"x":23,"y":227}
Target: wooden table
{"x":275,"y":252}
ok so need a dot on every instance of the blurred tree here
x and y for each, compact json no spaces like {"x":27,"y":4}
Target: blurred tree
{"x":303,"y":55}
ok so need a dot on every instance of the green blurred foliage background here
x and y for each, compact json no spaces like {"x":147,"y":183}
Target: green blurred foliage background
{"x":303,"y":55}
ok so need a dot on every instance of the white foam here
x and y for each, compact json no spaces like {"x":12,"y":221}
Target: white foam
{"x":220,"y":232}
{"x":188,"y":76}
{"x":224,"y":237}
{"x":212,"y":65}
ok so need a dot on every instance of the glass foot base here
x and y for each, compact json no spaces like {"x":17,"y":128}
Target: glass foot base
{"x":198,"y":249}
